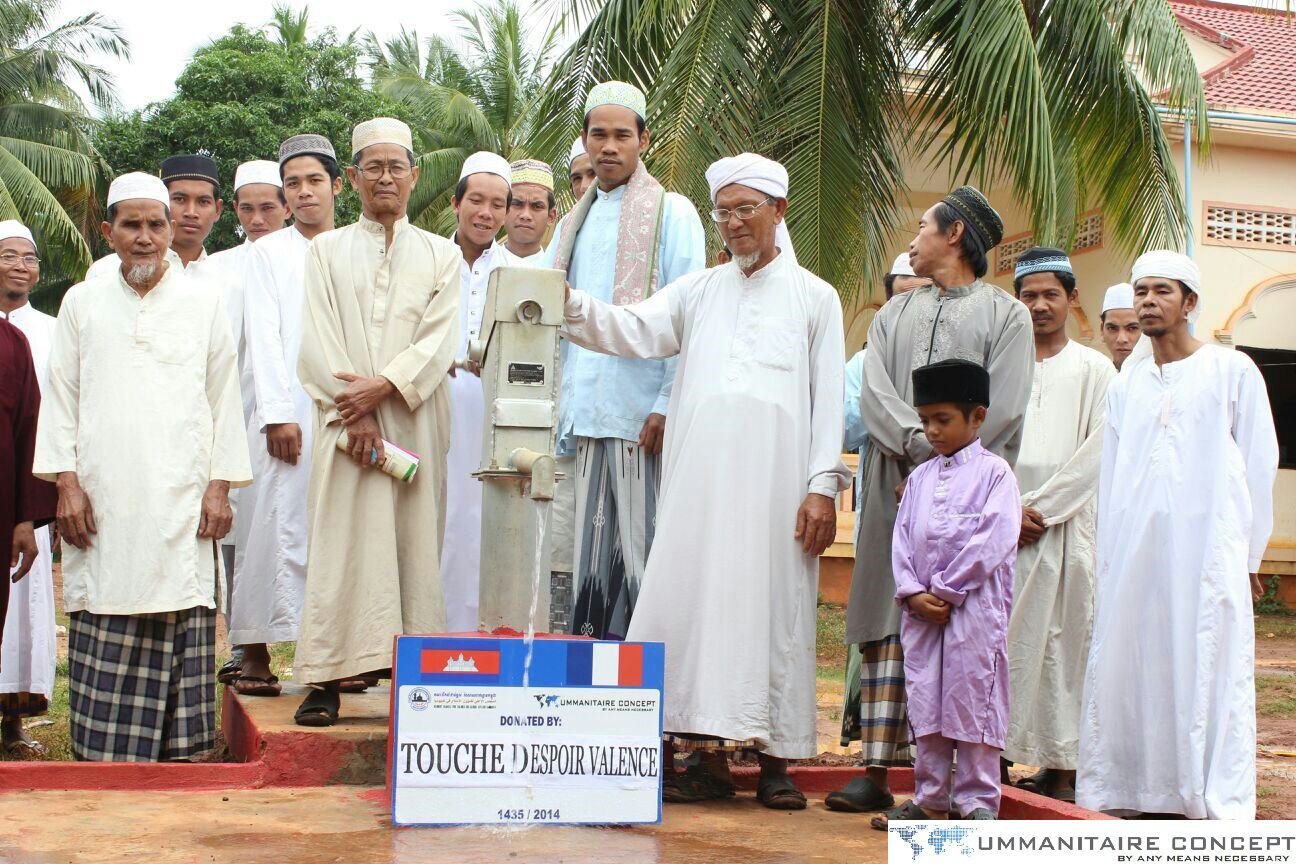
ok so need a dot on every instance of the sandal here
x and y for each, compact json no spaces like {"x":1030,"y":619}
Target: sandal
{"x":26,"y":749}
{"x":715,"y":788}
{"x":680,"y":788}
{"x":860,"y":796}
{"x":778,"y":792}
{"x":1039,"y":782}
{"x":906,"y":812}
{"x":267,"y":686}
{"x":319,"y":708}
{"x":982,"y":814}
{"x":227,"y":673}
{"x":353,"y":685}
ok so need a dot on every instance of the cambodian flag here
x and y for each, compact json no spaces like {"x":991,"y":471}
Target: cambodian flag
{"x":605,"y":664}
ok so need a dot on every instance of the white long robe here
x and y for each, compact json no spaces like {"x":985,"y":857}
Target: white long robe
{"x":461,"y":557}
{"x":1052,"y":613}
{"x":30,"y":647}
{"x":375,"y":543}
{"x":270,"y":565}
{"x":1185,"y":509}
{"x":756,"y":425}
{"x":142,"y":401}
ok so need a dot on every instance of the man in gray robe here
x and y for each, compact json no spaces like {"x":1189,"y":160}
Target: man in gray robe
{"x":959,"y":316}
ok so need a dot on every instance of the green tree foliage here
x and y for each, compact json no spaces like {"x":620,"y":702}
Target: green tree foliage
{"x":1053,"y":99}
{"x":238,"y":99}
{"x":49,"y":169}
{"x":480,"y":98}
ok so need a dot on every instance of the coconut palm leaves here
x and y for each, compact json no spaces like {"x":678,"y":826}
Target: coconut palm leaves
{"x":48,"y":168}
{"x":1054,"y":98}
{"x":480,"y":97}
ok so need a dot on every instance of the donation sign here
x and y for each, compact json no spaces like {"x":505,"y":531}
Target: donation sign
{"x":580,"y":743}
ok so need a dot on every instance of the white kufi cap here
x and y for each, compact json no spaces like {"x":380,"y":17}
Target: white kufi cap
{"x":577,"y":150}
{"x":1119,"y":296}
{"x":257,"y":171}
{"x":485,"y":162}
{"x":12,"y":228}
{"x":137,"y":185}
{"x":901,"y":266}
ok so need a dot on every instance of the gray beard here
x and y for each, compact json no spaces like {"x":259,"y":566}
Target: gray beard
{"x":746,"y":262}
{"x":140,"y":274}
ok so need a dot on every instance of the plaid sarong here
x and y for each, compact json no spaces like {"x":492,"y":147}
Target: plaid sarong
{"x":142,"y":688}
{"x":23,"y":705}
{"x":874,"y":713}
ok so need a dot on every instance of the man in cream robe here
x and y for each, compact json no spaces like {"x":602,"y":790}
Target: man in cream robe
{"x":142,"y":428}
{"x":1057,"y":471}
{"x":759,"y":382}
{"x":379,"y":329}
{"x":1185,"y":509}
{"x":28,"y":650}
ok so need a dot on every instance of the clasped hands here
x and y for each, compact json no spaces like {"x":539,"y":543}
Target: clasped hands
{"x":357,"y":403}
{"x":929,"y":607}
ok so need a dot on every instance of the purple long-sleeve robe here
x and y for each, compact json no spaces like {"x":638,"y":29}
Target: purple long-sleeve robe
{"x":956,"y":537}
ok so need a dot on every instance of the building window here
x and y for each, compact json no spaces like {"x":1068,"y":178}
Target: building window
{"x":1259,"y":227}
{"x":1279,"y":370}
{"x":1089,"y":236}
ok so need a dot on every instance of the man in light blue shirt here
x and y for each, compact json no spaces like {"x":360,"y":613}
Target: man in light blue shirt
{"x":625,"y":238}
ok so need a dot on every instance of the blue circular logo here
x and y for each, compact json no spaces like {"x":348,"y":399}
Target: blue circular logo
{"x":419,"y":699}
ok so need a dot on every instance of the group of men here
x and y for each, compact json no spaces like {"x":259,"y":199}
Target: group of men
{"x":213,"y":426}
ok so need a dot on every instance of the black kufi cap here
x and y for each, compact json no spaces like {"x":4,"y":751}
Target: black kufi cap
{"x":977,"y":214}
{"x":951,"y":381}
{"x":190,"y":166}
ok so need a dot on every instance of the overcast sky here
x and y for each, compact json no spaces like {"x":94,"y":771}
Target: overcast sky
{"x":163,"y":36}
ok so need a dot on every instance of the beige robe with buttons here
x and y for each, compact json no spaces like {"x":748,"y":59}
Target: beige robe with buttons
{"x":374,"y":543}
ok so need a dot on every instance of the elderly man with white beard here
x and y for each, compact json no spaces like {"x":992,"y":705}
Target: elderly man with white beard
{"x":759,"y":383}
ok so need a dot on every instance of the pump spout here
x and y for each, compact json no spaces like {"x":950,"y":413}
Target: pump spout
{"x":540,"y":466}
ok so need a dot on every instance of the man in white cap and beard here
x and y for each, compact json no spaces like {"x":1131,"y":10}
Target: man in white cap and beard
{"x":142,"y":429}
{"x":1185,"y":509}
{"x":380,"y":326}
{"x":481,"y":202}
{"x":759,"y":342}
{"x":28,"y":649}
{"x":1120,"y":324}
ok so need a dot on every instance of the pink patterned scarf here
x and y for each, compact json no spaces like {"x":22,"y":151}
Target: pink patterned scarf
{"x":638,"y":236}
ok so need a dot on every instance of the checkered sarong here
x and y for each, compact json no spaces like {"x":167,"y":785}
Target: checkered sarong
{"x":142,"y":688}
{"x":874,"y":712}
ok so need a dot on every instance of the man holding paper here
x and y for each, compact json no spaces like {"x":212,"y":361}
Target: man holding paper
{"x":380,"y":325}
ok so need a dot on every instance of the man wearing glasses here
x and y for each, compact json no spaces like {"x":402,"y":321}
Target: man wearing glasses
{"x":380,"y":326}
{"x":620,"y":243}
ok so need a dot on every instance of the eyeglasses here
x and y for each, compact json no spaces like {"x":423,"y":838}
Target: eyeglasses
{"x":398,"y":171}
{"x":9,"y":259}
{"x":744,"y":212}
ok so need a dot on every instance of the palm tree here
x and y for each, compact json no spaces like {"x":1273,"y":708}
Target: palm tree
{"x":290,"y":28}
{"x":1053,"y":96}
{"x":479,"y":98}
{"x":49,"y":170}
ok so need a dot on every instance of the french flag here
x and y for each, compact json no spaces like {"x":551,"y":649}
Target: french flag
{"x":605,"y":664}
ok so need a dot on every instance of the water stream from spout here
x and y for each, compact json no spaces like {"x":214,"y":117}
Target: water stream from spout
{"x":539,"y":578}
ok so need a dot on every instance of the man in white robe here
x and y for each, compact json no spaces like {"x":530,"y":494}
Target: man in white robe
{"x":759,"y":383}
{"x":29,"y":648}
{"x":142,"y":429}
{"x":1185,"y":509}
{"x":1057,"y":470}
{"x":379,"y":330}
{"x":481,"y":202}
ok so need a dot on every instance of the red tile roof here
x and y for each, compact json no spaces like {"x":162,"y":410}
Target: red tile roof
{"x":1260,"y":74}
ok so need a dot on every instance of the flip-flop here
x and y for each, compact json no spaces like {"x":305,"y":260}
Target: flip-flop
{"x":906,"y":812}
{"x":861,"y":795}
{"x":319,"y":708}
{"x":267,"y":686}
{"x":227,"y":673}
{"x":780,"y":793}
{"x":26,"y":749}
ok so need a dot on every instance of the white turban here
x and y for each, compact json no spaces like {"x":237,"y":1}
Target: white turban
{"x":901,"y":266}
{"x":577,"y":150}
{"x":1120,"y":296}
{"x":1170,"y":265}
{"x":381,"y":130}
{"x":751,"y":170}
{"x":12,"y":228}
{"x":257,"y":171}
{"x":138,"y":185}
{"x":485,"y":162}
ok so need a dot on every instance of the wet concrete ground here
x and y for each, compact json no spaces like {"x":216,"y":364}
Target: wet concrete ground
{"x":349,"y":824}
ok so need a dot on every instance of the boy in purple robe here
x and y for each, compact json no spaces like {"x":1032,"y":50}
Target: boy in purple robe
{"x":954,"y":548}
